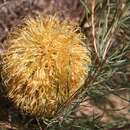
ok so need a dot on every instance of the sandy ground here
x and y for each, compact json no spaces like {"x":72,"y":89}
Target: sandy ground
{"x":11,"y":14}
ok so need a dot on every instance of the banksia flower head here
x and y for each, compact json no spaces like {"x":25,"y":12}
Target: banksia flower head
{"x":44,"y":63}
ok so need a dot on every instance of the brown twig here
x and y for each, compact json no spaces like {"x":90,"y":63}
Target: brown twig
{"x":93,"y":26}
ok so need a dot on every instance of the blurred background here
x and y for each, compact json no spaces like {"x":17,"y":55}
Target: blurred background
{"x":12,"y":12}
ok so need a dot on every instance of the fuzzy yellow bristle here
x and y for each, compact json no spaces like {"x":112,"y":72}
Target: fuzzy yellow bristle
{"x":44,"y":63}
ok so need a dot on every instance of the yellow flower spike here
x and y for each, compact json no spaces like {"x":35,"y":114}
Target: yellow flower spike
{"x":44,"y":63}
